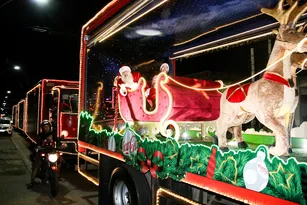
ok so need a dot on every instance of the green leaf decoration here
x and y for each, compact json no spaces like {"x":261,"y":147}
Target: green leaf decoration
{"x":285,"y":180}
{"x":163,"y":159}
{"x":194,"y":158}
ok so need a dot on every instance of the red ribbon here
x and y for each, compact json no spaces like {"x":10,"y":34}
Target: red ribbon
{"x":211,"y":164}
{"x":276,"y":78}
{"x":147,"y":163}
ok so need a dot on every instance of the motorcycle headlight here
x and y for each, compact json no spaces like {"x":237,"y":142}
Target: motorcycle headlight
{"x":53,"y":157}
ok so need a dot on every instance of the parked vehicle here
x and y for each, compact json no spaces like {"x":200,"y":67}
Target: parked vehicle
{"x":6,"y":126}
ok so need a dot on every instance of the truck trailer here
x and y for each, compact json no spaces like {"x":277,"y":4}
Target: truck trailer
{"x":21,"y":115}
{"x":56,"y":101}
{"x":14,"y":116}
{"x":163,"y":152}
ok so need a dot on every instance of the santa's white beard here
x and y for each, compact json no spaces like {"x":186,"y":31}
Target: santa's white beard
{"x":128,"y":79}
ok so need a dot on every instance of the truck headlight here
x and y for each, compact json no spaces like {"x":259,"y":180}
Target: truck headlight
{"x":53,"y":157}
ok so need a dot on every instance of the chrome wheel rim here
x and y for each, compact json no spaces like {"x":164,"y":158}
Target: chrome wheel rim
{"x":121,"y":195}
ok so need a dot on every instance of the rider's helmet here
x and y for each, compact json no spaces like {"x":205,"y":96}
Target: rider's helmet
{"x":46,"y":126}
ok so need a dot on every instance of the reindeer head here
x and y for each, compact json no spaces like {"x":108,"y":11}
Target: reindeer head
{"x":287,"y":33}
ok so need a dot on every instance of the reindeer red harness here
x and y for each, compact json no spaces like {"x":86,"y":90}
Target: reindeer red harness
{"x":238,"y":93}
{"x":276,"y":78}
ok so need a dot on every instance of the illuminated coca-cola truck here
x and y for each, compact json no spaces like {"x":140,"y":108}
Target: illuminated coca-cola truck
{"x":157,"y":149}
{"x":56,"y":101}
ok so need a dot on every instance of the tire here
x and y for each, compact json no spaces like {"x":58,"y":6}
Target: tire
{"x":123,"y":189}
{"x":54,"y":183}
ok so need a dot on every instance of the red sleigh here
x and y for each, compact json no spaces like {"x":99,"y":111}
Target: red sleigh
{"x":178,"y":100}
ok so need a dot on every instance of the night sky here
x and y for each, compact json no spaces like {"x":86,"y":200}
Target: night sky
{"x":43,"y":40}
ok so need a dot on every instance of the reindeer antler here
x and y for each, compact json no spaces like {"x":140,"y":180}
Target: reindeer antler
{"x":286,"y":17}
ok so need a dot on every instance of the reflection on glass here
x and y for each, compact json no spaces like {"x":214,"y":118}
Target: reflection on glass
{"x":69,"y":101}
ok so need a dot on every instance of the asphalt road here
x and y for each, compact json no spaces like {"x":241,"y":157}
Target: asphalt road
{"x":15,"y":168}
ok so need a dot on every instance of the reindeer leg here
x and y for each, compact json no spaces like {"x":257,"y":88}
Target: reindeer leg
{"x":238,"y":135}
{"x":289,"y":128}
{"x":220,"y":137}
{"x":279,"y":127}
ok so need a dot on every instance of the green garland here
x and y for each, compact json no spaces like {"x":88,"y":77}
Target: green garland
{"x":99,"y":138}
{"x":229,"y":167}
{"x":194,"y":158}
{"x":169,"y":159}
{"x":285,"y":180}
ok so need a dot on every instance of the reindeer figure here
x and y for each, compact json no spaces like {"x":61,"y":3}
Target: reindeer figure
{"x":273,"y":98}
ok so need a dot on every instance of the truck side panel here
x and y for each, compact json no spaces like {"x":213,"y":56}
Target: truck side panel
{"x":170,"y":192}
{"x":14,"y":117}
{"x":21,"y":115}
{"x":33,"y":104}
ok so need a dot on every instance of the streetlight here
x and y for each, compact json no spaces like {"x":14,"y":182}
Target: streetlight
{"x":8,"y":91}
{"x":5,"y":97}
{"x":16,"y":67}
{"x":41,"y":2}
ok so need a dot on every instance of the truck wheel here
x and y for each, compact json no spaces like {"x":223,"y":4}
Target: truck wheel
{"x":126,"y":189}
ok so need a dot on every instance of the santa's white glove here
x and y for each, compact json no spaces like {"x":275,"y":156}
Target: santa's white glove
{"x":147,"y":92}
{"x":123,"y":90}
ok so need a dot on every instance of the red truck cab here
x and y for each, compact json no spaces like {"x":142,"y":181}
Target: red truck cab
{"x":57,"y":101}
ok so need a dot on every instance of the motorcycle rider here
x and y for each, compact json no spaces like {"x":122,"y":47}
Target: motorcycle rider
{"x":46,"y":133}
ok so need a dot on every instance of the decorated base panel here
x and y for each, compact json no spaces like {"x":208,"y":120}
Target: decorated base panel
{"x":251,"y":169}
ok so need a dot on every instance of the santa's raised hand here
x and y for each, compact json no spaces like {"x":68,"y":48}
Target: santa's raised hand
{"x":123,"y":89}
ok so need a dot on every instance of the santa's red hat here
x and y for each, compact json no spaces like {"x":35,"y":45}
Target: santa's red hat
{"x":123,"y":69}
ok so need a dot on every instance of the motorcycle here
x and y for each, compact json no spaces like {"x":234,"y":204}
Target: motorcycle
{"x":50,"y":165}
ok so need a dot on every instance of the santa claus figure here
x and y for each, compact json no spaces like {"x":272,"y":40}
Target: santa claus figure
{"x":126,"y":80}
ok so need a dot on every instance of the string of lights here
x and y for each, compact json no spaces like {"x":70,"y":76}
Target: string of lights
{"x":242,"y":81}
